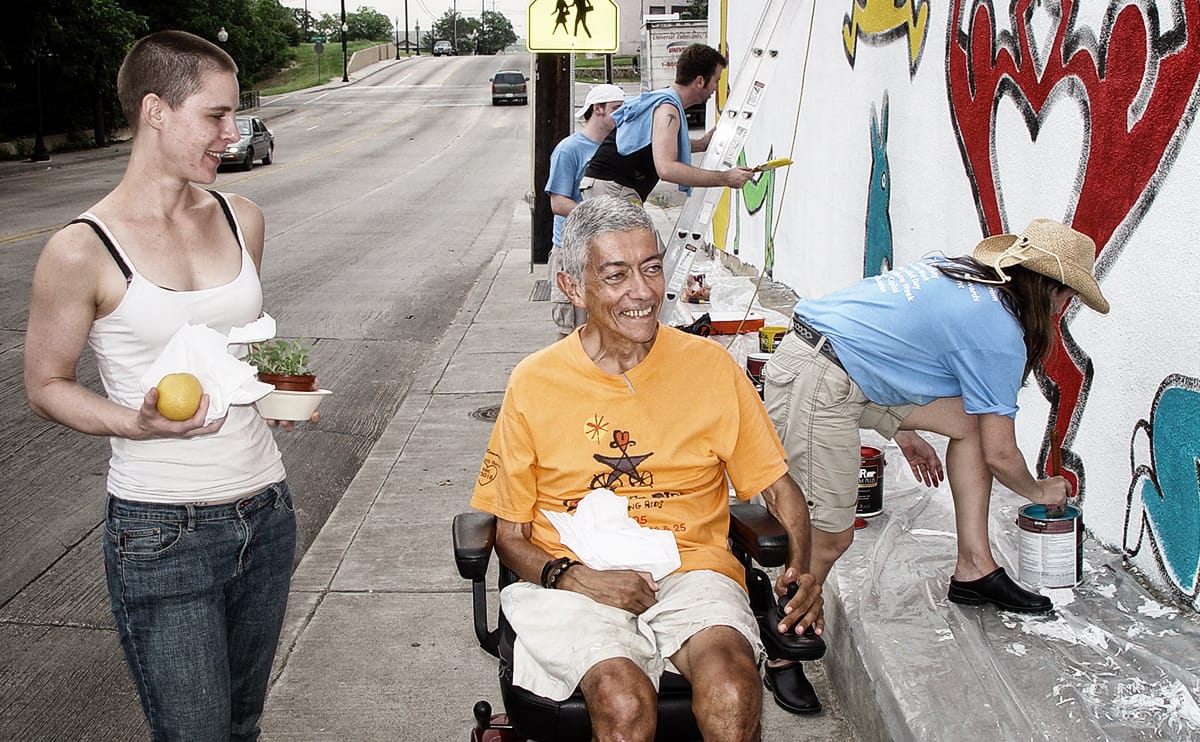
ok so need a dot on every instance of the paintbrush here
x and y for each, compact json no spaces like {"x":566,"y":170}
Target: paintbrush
{"x":772,"y":164}
{"x":1055,"y":468}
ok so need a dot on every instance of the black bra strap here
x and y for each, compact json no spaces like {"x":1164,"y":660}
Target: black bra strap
{"x":112,"y":249}
{"x":228,"y":212}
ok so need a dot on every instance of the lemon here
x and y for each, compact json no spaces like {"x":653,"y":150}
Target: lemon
{"x":179,"y":396}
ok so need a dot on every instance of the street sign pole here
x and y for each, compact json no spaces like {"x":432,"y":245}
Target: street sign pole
{"x":551,"y":122}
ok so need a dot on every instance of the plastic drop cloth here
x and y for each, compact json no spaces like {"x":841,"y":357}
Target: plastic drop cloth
{"x":1110,"y":663}
{"x":728,"y":294}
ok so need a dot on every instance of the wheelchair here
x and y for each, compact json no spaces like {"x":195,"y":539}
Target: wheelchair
{"x":756,"y":539}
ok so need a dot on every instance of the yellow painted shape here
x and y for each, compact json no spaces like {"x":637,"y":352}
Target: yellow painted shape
{"x":720,"y":219}
{"x":881,"y":17}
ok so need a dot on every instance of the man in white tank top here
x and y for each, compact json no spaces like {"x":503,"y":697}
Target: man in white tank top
{"x":199,"y":526}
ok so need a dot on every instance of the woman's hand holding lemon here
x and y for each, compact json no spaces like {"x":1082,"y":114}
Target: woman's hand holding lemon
{"x":176,"y":409}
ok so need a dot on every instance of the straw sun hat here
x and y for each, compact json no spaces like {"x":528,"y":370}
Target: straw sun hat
{"x":1051,"y":249}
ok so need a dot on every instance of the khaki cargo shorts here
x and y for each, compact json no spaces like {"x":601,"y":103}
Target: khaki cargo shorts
{"x":818,"y":410}
{"x":592,"y":187}
{"x":561,"y":634}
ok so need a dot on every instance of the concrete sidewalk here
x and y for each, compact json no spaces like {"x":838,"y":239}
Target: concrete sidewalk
{"x":378,"y":642}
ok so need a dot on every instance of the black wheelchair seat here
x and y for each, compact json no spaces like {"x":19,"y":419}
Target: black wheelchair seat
{"x":756,"y":539}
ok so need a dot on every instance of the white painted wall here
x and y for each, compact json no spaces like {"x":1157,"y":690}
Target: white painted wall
{"x":1071,"y":171}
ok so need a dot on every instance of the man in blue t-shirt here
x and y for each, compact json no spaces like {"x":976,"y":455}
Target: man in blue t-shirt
{"x":567,"y":163}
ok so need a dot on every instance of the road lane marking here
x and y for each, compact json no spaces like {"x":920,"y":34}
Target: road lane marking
{"x":31,"y":233}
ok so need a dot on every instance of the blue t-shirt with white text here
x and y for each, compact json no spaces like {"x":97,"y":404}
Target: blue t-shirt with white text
{"x":914,"y":335}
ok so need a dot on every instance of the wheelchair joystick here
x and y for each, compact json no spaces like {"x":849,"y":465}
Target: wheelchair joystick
{"x":781,"y":604}
{"x":790,"y":646}
{"x":483,"y":715}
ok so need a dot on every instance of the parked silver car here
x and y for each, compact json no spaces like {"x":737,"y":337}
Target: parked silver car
{"x":257,"y":142}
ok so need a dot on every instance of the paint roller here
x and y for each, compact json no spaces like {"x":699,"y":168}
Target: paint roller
{"x":778,"y":162}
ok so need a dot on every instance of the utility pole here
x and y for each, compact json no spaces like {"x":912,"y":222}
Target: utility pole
{"x":406,"y":51}
{"x":551,"y":122}
{"x":454,"y":23}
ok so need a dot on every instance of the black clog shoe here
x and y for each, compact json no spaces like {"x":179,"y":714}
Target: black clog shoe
{"x":998,"y":589}
{"x":792,"y":690}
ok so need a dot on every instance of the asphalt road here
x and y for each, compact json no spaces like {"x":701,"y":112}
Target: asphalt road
{"x":385,"y":200}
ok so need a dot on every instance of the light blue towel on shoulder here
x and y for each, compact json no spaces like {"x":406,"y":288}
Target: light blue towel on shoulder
{"x":635,"y":123}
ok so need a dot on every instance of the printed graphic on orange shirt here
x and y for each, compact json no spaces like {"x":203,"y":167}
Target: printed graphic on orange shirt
{"x":489,"y":469}
{"x":622,"y":469}
{"x":596,"y":427}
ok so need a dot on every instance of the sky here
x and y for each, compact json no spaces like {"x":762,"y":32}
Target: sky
{"x":423,"y":12}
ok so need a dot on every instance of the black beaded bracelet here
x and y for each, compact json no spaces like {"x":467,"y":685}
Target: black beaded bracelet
{"x":552,"y":566}
{"x":557,"y":573}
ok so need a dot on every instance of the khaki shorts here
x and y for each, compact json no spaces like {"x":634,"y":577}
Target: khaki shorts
{"x":566,"y":315}
{"x":561,"y":635}
{"x":818,"y":410}
{"x":592,"y":187}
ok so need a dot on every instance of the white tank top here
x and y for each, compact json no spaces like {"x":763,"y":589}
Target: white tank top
{"x":241,"y":458}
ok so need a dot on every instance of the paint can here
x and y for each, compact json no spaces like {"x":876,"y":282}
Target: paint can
{"x":769,"y":337}
{"x":754,"y":369}
{"x":870,"y":482}
{"x":1050,"y":549}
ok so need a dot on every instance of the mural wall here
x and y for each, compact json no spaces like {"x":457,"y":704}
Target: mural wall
{"x":921,"y":126}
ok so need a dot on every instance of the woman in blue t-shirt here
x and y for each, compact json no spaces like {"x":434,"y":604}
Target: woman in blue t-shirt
{"x":942,"y":345}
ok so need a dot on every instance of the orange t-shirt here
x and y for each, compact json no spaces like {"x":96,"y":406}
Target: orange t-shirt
{"x":664,"y":435}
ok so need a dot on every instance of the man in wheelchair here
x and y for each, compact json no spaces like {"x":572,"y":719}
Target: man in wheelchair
{"x":667,"y":420}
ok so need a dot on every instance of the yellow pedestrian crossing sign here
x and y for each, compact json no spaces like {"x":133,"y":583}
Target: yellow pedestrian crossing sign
{"x":572,"y":26}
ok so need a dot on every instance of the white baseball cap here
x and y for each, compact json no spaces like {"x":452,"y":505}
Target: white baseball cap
{"x":600,"y":94}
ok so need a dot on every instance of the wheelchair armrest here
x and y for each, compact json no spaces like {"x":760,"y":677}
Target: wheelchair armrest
{"x":756,"y":532}
{"x":474,"y":536}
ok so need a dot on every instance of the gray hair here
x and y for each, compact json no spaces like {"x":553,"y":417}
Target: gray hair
{"x":592,"y":218}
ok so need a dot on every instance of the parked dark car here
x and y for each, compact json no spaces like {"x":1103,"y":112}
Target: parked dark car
{"x":510,"y":86}
{"x":257,"y":142}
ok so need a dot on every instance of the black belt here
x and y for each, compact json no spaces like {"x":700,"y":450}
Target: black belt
{"x":806,"y":333}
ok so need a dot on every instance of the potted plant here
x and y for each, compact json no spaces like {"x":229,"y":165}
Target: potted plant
{"x":283,"y":364}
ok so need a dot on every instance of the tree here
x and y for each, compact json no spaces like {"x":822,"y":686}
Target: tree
{"x":368,"y":24}
{"x":463,"y":31}
{"x":697,"y":10}
{"x":69,"y":51}
{"x":496,"y":33}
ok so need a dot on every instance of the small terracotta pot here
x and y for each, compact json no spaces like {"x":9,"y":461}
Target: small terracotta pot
{"x":290,"y":382}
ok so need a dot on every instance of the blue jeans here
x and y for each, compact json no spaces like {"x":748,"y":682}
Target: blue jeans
{"x":199,"y":593}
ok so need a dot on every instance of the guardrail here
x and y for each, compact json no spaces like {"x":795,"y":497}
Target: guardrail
{"x":248,"y":99}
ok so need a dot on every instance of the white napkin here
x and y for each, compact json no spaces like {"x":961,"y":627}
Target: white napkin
{"x":603,"y":536}
{"x":203,"y":352}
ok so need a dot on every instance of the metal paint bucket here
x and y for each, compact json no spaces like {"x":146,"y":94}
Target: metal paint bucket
{"x":769,"y":337}
{"x":1050,"y":550}
{"x":870,"y":482}
{"x":754,"y":369}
